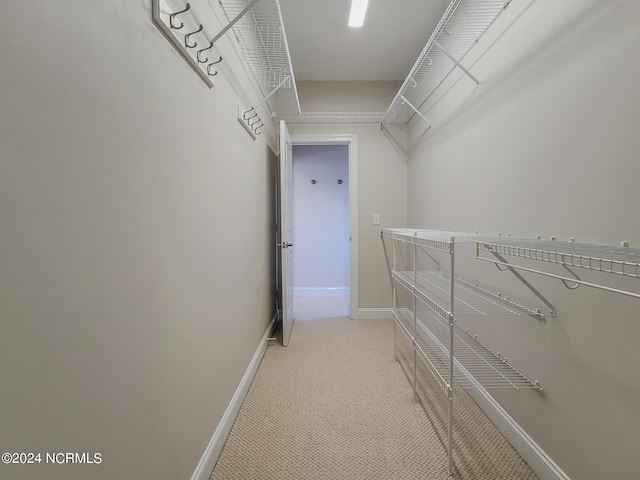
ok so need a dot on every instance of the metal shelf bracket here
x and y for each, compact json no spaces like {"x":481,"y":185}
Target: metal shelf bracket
{"x":506,"y":266}
{"x":404,"y":99}
{"x":458,"y":64}
{"x":235,"y":20}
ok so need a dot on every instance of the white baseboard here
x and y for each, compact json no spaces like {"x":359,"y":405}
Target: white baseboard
{"x":375,"y":313}
{"x":213,"y":450}
{"x":542,"y":465}
{"x":319,"y":291}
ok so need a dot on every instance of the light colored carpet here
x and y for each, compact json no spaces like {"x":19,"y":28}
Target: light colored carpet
{"x":335,"y":405}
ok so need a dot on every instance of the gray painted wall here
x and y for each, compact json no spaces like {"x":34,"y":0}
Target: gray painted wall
{"x":132,"y":297}
{"x":549,"y":145}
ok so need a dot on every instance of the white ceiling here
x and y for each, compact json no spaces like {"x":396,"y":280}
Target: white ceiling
{"x":324,"y":48}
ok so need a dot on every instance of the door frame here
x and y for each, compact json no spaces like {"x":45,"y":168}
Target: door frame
{"x":352,"y":141}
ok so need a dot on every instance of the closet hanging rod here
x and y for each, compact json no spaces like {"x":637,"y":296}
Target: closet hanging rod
{"x":560,"y":277}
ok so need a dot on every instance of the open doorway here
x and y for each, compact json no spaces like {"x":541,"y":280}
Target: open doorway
{"x":321,"y":231}
{"x":324,"y":208}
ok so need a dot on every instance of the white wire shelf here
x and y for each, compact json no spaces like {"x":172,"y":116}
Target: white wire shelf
{"x":432,"y":239}
{"x":263,"y":44}
{"x":623,"y":261}
{"x":422,"y":236}
{"x":329,"y":117}
{"x":615,"y":260}
{"x":475,"y":364}
{"x":462,"y":25}
{"x":433,"y":288}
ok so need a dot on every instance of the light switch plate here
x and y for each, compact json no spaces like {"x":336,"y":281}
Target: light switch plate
{"x":376,"y":219}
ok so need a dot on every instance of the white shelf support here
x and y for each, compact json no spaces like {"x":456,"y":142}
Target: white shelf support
{"x":264,"y":100}
{"x":458,"y":64}
{"x":564,"y":279}
{"x":404,"y":99}
{"x":511,"y":268}
{"x":234,"y":21}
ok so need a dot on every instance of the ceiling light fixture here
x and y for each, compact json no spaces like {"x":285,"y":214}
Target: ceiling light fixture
{"x":358,"y":11}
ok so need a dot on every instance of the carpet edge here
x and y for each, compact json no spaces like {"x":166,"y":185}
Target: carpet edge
{"x":214,"y":448}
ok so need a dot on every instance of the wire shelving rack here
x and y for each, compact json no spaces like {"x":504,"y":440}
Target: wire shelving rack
{"x":452,"y":354}
{"x":463,"y":23}
{"x":262,"y":39}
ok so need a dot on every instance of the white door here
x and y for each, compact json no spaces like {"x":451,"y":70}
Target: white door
{"x":286,"y":232}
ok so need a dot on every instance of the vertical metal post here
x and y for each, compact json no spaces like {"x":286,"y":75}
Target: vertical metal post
{"x":395,"y":305}
{"x":451,"y":332}
{"x":415,"y":316}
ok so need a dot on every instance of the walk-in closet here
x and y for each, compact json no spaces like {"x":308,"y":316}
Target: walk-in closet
{"x":453,"y":184}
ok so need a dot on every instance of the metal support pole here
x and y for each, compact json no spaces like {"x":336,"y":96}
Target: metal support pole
{"x":415,"y":110}
{"x":234,"y":21}
{"x":458,"y":64}
{"x":451,"y":357}
{"x":395,"y":301}
{"x":415,"y":317}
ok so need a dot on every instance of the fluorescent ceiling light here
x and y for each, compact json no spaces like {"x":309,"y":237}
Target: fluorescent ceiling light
{"x":358,"y":11}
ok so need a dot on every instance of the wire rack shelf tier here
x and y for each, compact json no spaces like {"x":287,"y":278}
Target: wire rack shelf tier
{"x":623,"y":261}
{"x":470,"y":298}
{"x":424,"y":236}
{"x":475,"y":364}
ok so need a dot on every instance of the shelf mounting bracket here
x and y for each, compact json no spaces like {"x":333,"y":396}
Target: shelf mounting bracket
{"x":234,"y":21}
{"x":504,"y":263}
{"x":458,"y":64}
{"x":404,"y":99}
{"x":273,"y":91}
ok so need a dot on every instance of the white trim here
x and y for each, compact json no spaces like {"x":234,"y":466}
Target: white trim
{"x":319,"y":291}
{"x":375,"y":313}
{"x":352,"y":141}
{"x":542,"y":465}
{"x":213,"y":450}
